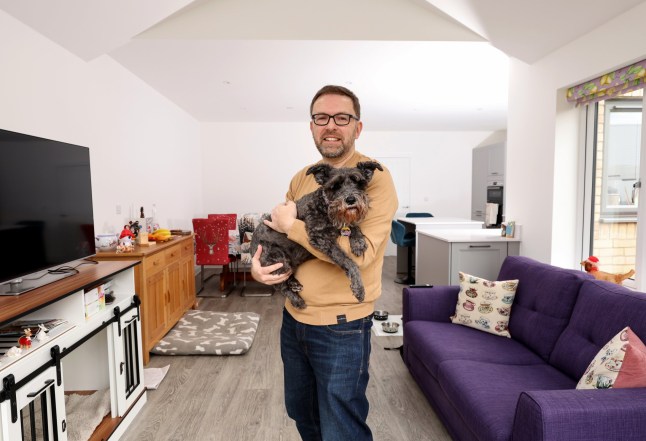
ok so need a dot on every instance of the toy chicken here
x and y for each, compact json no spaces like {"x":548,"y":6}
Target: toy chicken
{"x":591,"y":266}
{"x":25,"y":340}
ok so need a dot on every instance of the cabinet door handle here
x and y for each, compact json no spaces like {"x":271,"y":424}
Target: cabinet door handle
{"x":35,"y":394}
{"x":479,"y":246}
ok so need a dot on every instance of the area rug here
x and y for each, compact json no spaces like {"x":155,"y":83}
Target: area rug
{"x":210,"y":333}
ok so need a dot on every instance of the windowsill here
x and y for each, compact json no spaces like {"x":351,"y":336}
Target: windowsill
{"x":617,"y":220}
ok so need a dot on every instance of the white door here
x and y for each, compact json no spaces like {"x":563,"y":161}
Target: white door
{"x":400,"y":170}
{"x":127,"y":369}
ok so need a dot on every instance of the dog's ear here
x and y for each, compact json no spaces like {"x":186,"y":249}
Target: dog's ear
{"x":321,"y":172}
{"x":368,"y":168}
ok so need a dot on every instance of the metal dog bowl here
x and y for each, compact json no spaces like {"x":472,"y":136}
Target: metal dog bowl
{"x":390,"y":327}
{"x":381,"y":315}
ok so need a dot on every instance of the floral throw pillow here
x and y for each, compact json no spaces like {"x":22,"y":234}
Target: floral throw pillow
{"x":485,"y":305}
{"x":620,"y":363}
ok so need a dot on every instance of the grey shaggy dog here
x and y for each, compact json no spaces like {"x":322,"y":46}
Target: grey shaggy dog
{"x":335,"y":208}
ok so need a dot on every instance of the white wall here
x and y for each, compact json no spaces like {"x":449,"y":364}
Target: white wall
{"x":543,"y":134}
{"x":247,"y":167}
{"x":144,"y":150}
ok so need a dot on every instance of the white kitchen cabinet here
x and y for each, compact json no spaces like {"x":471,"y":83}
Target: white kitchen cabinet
{"x":496,"y":161}
{"x":480,"y":160}
{"x":487,"y":168}
{"x":442,"y":254}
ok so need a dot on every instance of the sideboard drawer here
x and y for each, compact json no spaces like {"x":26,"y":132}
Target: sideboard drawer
{"x":154,"y":263}
{"x":187,"y":248}
{"x":173,"y":253}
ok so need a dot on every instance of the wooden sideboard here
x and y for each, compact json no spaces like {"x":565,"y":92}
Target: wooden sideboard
{"x":165,"y":282}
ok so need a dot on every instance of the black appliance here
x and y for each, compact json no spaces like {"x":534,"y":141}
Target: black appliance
{"x":495,"y":196}
{"x":46,"y":216}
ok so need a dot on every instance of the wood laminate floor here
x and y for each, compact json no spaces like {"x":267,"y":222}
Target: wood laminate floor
{"x":240,"y":398}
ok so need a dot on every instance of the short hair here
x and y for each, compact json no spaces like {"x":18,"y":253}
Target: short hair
{"x":338,"y":90}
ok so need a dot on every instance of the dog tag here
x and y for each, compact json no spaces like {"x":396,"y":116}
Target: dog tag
{"x":345,"y":231}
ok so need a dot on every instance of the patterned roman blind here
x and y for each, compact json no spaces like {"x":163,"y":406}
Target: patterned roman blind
{"x":609,"y":85}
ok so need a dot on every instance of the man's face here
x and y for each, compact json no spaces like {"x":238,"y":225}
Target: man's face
{"x":332,"y":140}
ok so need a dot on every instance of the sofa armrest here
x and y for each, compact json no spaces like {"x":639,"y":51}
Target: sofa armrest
{"x":590,"y":415}
{"x":433,"y":303}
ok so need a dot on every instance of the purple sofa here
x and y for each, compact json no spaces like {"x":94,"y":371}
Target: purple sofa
{"x":487,"y":387}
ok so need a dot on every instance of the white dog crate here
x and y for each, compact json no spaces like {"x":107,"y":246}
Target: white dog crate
{"x":96,"y":352}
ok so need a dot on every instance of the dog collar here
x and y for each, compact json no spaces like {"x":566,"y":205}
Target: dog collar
{"x":345,"y":230}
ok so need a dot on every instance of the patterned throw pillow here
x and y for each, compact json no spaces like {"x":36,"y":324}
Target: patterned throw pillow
{"x":485,"y":305}
{"x":620,"y":363}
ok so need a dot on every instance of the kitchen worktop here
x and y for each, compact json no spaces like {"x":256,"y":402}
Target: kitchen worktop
{"x":468,"y":235}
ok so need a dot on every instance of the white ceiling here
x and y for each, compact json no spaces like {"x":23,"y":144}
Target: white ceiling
{"x":415,"y":64}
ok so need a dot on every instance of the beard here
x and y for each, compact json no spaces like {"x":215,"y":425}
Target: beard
{"x":330,"y":152}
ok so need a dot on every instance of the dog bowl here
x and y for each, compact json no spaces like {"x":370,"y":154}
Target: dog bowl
{"x":381,"y":315}
{"x":390,"y":327}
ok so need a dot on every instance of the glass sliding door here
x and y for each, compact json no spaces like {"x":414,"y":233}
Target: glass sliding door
{"x":613,"y":215}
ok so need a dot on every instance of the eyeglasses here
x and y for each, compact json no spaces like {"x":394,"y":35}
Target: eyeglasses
{"x":340,"y":119}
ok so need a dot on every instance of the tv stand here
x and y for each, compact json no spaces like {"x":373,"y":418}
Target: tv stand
{"x":102,"y":352}
{"x":41,"y":278}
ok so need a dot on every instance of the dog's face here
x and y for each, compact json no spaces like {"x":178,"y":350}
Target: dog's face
{"x":344,"y":190}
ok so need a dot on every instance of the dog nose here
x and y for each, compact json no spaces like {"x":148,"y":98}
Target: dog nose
{"x":350,"y":200}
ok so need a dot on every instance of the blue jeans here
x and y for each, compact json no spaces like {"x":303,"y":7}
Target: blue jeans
{"x":326,"y":375}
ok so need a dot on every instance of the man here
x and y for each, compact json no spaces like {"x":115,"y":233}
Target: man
{"x":326,"y":346}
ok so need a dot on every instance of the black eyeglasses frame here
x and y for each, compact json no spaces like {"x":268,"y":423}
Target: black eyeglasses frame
{"x":329,"y":117}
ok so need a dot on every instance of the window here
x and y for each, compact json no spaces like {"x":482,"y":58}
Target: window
{"x":614,"y":145}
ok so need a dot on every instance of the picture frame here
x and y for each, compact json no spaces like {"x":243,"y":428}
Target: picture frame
{"x":510,"y":230}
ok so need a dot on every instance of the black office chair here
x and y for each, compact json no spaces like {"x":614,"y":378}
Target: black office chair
{"x":401,"y":238}
{"x":419,"y":215}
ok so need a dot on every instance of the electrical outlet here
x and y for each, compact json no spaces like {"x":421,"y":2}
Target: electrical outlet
{"x":118,"y":209}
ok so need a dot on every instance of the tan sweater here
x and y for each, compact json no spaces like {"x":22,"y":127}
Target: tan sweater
{"x":326,"y":288}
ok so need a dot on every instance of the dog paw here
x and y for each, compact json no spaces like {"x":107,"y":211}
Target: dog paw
{"x":358,"y":248}
{"x":297,"y":301}
{"x":294,"y":286}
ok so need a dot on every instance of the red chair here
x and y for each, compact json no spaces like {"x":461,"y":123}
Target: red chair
{"x":234,"y":244}
{"x":212,"y":248}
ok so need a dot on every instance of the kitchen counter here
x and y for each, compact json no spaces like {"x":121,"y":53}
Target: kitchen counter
{"x":468,"y":235}
{"x":442,"y":254}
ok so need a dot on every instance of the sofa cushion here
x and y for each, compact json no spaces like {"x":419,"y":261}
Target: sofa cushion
{"x":484,"y":305}
{"x":544,"y":301}
{"x":436,"y":342}
{"x":602,"y":310}
{"x":486,"y":394}
{"x":621,"y":360}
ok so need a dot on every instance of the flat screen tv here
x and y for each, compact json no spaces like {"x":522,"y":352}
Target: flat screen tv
{"x":46,"y":217}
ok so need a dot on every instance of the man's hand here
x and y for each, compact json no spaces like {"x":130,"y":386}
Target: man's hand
{"x":282,"y":217}
{"x":264,"y":274}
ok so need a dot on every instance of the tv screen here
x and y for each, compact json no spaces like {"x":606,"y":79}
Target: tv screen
{"x":46,"y":217}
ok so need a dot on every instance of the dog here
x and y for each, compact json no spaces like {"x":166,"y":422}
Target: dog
{"x":334,"y":209}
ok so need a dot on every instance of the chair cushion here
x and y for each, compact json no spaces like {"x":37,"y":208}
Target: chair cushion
{"x":484,"y":305}
{"x":544,"y":301}
{"x":436,"y":343}
{"x":486,"y":393}
{"x":620,"y":363}
{"x":603,"y":309}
